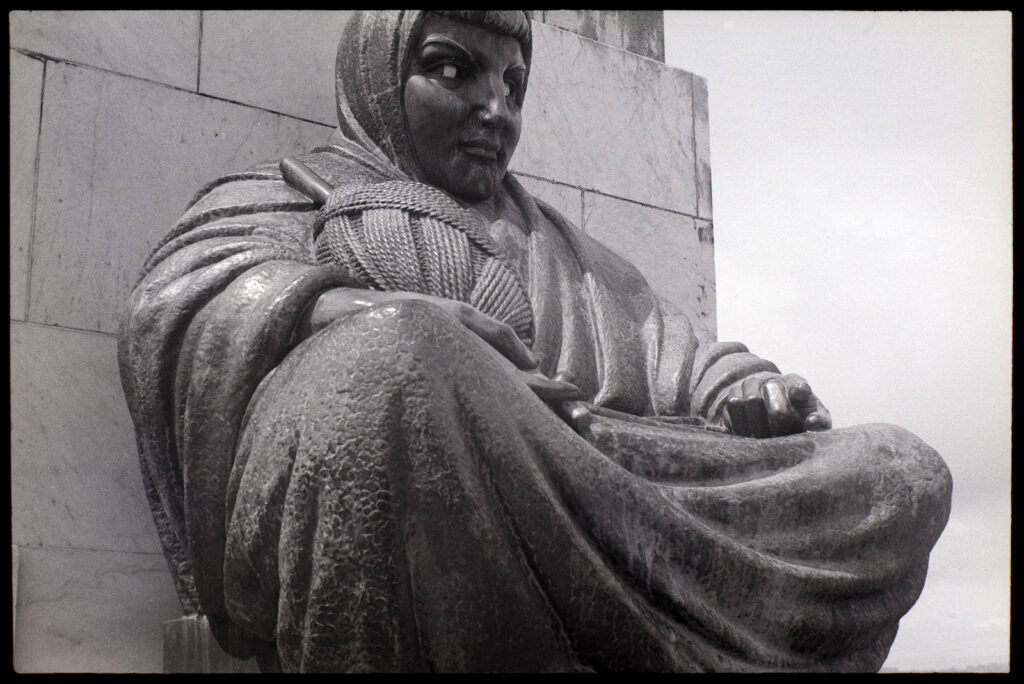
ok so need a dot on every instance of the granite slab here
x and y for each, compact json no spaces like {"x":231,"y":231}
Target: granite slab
{"x":160,"y":46}
{"x":119,"y":161}
{"x":92,"y":611}
{"x":26,"y":85}
{"x":75,"y":478}
{"x":278,"y":60}
{"x":674,"y":254}
{"x":610,"y":121}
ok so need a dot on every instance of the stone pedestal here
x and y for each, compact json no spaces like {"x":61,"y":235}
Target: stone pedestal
{"x":195,"y":644}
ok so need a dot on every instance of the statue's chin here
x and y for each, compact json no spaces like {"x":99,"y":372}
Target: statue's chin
{"x":474,"y":192}
{"x":470,"y":179}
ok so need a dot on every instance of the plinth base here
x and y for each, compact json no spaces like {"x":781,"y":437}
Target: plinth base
{"x":195,"y":644}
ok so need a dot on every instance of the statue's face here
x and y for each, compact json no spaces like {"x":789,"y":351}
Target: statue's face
{"x":463,"y":98}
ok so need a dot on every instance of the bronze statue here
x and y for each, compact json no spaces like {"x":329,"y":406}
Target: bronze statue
{"x":431,"y":425}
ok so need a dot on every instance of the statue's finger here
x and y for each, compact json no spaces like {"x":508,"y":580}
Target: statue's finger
{"x":565,"y":376}
{"x":783,"y":419}
{"x":750,"y":389}
{"x":499,"y":335}
{"x":736,"y":409}
{"x":799,"y":390}
{"x":513,"y":348}
{"x":757,"y":416}
{"x":579,"y":414}
{"x":819,"y":419}
{"x":551,"y":390}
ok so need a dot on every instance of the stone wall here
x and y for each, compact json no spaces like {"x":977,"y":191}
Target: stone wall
{"x":118,"y":117}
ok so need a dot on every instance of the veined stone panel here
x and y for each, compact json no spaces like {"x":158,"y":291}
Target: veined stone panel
{"x":608,"y":120}
{"x":639,"y":31}
{"x":75,"y":477}
{"x":120,"y":159}
{"x":702,"y":145}
{"x":277,"y":60}
{"x":673,"y":252}
{"x":706,"y":303}
{"x":26,"y":89}
{"x":160,"y":46}
{"x":15,"y":566}
{"x":92,"y":611}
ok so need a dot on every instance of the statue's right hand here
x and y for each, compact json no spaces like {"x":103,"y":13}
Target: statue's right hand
{"x":774,"y":407}
{"x":498,"y":335}
{"x":503,"y":339}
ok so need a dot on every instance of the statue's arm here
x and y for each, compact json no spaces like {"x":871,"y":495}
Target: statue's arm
{"x":339,"y":302}
{"x":723,"y":384}
{"x":746,"y":394}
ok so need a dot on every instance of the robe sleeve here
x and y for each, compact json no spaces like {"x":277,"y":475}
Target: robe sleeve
{"x":653,"y":363}
{"x":671,"y":347}
{"x":689,"y":376}
{"x":717,"y":367}
{"x":214,"y":312}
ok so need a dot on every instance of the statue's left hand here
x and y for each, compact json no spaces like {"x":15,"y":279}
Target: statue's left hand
{"x":773,"y":407}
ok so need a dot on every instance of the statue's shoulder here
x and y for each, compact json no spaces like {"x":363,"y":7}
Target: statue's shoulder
{"x":263,"y":183}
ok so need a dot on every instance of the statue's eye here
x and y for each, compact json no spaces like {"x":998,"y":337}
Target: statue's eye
{"x":449,"y":70}
{"x":514,"y":82}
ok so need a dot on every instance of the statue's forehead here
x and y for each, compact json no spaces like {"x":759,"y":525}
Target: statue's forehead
{"x":468,"y":35}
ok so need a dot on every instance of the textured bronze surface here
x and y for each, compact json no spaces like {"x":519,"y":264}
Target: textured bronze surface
{"x":390,"y":480}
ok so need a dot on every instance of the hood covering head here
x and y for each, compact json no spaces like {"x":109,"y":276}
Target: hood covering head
{"x":373,"y":58}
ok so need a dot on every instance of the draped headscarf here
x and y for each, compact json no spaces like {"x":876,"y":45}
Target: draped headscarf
{"x":406,"y":235}
{"x":370,"y":77}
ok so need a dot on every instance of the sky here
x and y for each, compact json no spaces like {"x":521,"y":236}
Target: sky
{"x":862,"y":190}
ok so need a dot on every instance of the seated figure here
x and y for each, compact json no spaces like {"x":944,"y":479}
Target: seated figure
{"x":431,"y":425}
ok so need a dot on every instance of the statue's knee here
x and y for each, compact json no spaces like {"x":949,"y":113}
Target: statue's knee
{"x":898,"y":439}
{"x":417,"y":326}
{"x":396,"y":336}
{"x":912,"y":454}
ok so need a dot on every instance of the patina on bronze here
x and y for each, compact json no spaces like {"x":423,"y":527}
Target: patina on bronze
{"x":392,"y":480}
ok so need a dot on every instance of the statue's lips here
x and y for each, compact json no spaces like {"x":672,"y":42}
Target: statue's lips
{"x":483,"y":149}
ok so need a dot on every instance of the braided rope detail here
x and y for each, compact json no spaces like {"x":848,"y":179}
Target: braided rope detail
{"x":407,"y":236}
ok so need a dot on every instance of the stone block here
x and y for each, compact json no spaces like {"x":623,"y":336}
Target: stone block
{"x":639,"y":31}
{"x":119,"y":160}
{"x":74,"y":466}
{"x":160,"y":46}
{"x":566,"y":199}
{"x":282,"y":61}
{"x":702,"y":145}
{"x":26,"y":95}
{"x":674,"y":252}
{"x":14,"y":587}
{"x":609,"y":121}
{"x":92,"y":611}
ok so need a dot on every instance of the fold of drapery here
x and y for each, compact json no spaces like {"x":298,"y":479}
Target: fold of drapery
{"x":631,"y":543}
{"x":219,"y":299}
{"x":430,"y":513}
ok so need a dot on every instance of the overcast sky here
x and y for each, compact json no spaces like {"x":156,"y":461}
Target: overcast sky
{"x":862,"y":186}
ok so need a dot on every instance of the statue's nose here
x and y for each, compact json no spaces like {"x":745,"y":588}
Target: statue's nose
{"x":493,"y":106}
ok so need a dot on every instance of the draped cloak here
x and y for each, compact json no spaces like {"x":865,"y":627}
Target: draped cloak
{"x":385,"y":494}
